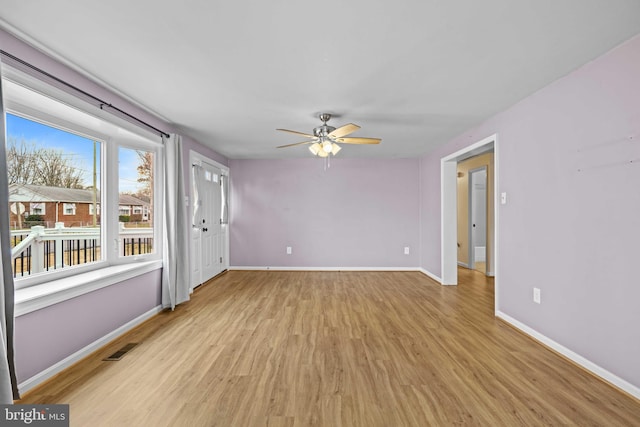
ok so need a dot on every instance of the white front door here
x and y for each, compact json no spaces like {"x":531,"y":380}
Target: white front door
{"x":209,"y":236}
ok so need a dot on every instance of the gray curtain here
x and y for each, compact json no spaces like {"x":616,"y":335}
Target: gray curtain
{"x":8,"y":383}
{"x":176,"y":283}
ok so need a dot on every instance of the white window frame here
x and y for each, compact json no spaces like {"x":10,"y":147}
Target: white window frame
{"x":41,"y":290}
{"x":68,"y":206}
{"x":34,"y":206}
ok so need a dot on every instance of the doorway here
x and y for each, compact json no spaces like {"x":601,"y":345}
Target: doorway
{"x":210,"y":230}
{"x":449,"y":208}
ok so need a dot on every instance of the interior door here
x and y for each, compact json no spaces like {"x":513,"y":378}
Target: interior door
{"x":478,"y":219}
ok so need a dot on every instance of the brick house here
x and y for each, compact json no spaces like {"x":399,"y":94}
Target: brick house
{"x":71,"y":206}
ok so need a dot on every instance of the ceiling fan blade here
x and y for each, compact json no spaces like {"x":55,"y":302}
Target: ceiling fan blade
{"x":359,"y":140}
{"x":297,"y":133}
{"x":297,"y":143}
{"x":344,"y":130}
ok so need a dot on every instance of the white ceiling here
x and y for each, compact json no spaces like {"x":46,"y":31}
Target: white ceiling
{"x":413,"y":72}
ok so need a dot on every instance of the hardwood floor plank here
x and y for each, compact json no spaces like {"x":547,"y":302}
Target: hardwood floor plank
{"x":258,"y":348}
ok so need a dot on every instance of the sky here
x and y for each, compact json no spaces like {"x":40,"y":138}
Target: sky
{"x":77,"y":148}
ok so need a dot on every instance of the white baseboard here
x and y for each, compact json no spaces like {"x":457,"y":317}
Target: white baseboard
{"x":263,"y":268}
{"x":272,"y":268}
{"x":463,"y":264}
{"x":83,"y":352}
{"x":575,"y":357}
{"x":431,"y":275}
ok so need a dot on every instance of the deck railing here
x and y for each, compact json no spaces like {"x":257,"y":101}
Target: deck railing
{"x":43,"y":249}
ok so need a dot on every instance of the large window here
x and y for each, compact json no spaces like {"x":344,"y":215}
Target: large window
{"x":82,"y":185}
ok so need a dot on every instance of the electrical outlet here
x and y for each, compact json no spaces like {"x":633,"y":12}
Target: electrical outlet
{"x":288,"y":250}
{"x":536,"y":295}
{"x":406,"y":250}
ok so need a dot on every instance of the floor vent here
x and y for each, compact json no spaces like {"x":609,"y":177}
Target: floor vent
{"x":120,"y":353}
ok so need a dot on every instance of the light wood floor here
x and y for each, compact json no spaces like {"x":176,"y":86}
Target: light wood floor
{"x":481,"y":266}
{"x":334,"y":349}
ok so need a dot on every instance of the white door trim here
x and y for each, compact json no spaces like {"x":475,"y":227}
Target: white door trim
{"x":449,"y":204}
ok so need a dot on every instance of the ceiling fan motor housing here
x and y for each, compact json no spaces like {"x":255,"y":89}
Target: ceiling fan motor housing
{"x":323,"y":131}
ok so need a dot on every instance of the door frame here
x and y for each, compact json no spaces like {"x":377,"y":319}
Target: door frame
{"x":449,"y":210}
{"x":196,"y":158}
{"x":470,"y":246}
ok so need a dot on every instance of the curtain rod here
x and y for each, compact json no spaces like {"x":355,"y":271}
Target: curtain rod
{"x":87,"y":94}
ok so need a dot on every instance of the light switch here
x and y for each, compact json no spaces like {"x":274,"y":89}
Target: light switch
{"x":503,"y":198}
{"x":536,"y":295}
{"x":288,"y":250}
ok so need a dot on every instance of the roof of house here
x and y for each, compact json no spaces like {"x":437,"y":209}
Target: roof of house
{"x":41,"y":193}
{"x":129,"y":200}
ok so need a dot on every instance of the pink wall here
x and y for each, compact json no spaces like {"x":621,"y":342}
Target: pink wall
{"x":190,"y":144}
{"x":45,"y":337}
{"x":569,"y":159}
{"x":357,"y":213}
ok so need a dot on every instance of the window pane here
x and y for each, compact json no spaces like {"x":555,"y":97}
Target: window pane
{"x":53,"y":183}
{"x":136,"y":201}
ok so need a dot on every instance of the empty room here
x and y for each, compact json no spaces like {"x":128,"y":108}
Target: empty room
{"x":335,"y":214}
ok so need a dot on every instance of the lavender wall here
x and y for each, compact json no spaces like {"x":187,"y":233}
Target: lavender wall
{"x":45,"y":337}
{"x":357,"y":213}
{"x":190,"y":144}
{"x":569,"y":159}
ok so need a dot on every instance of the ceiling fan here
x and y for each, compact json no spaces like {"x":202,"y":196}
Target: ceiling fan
{"x":325,"y":138}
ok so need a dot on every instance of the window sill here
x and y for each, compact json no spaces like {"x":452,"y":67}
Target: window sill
{"x":38,"y":297}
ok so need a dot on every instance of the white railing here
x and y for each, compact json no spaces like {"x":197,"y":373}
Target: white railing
{"x":128,"y":236}
{"x":42,"y":249}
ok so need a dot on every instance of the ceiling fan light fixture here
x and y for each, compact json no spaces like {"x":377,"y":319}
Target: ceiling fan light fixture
{"x":327,"y":146}
{"x":322,"y":153}
{"x":315,"y":148}
{"x":335,"y":149}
